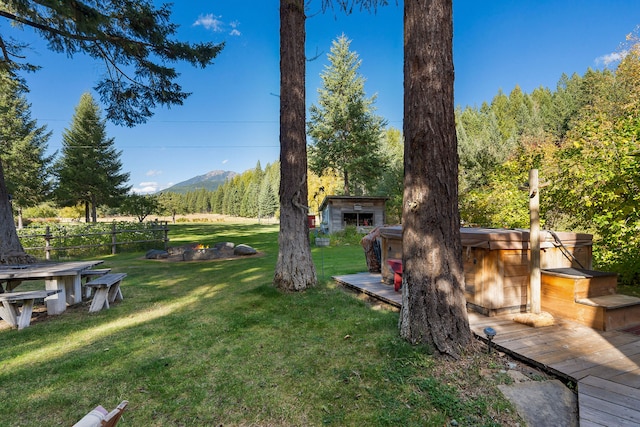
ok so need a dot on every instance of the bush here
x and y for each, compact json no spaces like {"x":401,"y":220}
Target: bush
{"x":349,"y":236}
{"x":44,"y":210}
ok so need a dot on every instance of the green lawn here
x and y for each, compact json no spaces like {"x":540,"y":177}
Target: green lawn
{"x":213,"y":343}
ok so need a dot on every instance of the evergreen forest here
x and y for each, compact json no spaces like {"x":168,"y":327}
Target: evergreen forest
{"x":582,"y":136}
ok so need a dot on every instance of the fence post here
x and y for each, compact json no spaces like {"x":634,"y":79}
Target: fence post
{"x":166,"y":235}
{"x":113,"y":238}
{"x":47,"y":244}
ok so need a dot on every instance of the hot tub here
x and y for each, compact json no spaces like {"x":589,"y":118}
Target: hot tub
{"x":496,"y":263}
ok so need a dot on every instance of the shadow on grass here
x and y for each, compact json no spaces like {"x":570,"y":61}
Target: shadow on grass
{"x":214,"y":343}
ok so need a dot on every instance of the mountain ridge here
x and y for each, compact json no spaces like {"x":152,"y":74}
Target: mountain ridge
{"x":209,"y":181}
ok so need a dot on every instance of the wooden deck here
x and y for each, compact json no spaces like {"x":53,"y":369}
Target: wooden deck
{"x":604,"y":365}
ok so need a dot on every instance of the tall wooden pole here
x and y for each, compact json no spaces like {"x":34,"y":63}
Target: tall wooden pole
{"x":534,"y":241}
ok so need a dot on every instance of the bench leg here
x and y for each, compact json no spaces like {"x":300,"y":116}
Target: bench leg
{"x":57,"y":303}
{"x":25,"y":315}
{"x":100,"y":299}
{"x":73,"y":285}
{"x":9,"y":313}
{"x":115,"y":294}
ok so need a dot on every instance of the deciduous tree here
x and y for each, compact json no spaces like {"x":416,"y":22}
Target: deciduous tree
{"x":171,"y":204}
{"x":140,"y":206}
{"x":597,"y":178}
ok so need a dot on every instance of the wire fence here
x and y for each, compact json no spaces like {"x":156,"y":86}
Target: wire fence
{"x":60,"y":241}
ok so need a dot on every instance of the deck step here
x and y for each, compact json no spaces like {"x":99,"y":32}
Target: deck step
{"x":610,"y":302}
{"x":613,"y":311}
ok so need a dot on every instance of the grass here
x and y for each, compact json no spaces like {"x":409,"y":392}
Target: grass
{"x":213,"y":343}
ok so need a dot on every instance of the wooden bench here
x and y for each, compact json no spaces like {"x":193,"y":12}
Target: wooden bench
{"x":88,"y":275}
{"x":9,"y":309}
{"x":107,"y":289}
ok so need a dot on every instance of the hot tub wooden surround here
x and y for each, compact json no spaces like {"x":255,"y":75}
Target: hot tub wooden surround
{"x":496,"y":268}
{"x":496,"y":263}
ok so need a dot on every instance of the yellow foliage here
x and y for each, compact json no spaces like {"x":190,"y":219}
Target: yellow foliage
{"x":328,"y":184}
{"x":72,"y":212}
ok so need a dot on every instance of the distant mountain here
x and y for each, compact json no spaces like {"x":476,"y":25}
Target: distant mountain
{"x":209,"y":181}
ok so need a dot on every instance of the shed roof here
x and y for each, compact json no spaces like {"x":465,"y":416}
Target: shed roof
{"x":355,"y":199}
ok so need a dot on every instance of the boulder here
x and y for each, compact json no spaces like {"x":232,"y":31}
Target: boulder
{"x":201,"y":254}
{"x":156,"y":254}
{"x":244,"y":250}
{"x":179,"y":250}
{"x":225,"y":249}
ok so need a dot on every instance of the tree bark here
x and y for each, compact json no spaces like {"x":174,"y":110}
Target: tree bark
{"x":94,"y":209}
{"x":11,"y":250}
{"x":295,"y":270}
{"x":433,"y":302}
{"x":345,"y":188}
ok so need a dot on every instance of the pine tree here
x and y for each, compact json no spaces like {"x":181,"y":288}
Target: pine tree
{"x":22,"y":148}
{"x":294,"y":270}
{"x":344,"y":130}
{"x":89,"y":170}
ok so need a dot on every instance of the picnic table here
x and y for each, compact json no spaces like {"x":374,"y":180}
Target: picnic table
{"x":63,"y":277}
{"x":9,"y":306}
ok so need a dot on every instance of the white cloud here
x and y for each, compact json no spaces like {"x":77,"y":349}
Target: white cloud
{"x":224,"y":162}
{"x":611,"y":58}
{"x":234,"y":28}
{"x":210,"y":22}
{"x":146,"y":187}
{"x":215,"y":24}
{"x":153,"y":172}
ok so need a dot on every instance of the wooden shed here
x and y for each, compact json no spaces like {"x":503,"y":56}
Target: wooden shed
{"x":496,"y":263}
{"x":337,"y":212}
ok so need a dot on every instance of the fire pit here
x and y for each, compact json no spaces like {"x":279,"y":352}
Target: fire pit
{"x":200,"y":252}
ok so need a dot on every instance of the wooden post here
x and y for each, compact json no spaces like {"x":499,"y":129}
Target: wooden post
{"x":534,"y":241}
{"x":166,"y":235}
{"x":47,"y":243}
{"x":114,"y":241}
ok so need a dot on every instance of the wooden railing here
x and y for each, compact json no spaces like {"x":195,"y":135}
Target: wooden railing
{"x":157,"y":231}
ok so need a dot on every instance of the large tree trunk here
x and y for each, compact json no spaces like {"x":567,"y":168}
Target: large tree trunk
{"x":94,"y":209}
{"x":433,"y":302}
{"x":294,"y":270}
{"x":11,"y":250}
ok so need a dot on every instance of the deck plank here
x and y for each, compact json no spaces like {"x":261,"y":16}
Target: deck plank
{"x":630,"y":379}
{"x":610,"y":357}
{"x":607,"y":413}
{"x":593,"y":414}
{"x":605,"y":365}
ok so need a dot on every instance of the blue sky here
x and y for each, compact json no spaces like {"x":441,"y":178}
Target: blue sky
{"x":230,"y":122}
